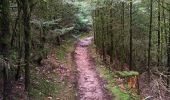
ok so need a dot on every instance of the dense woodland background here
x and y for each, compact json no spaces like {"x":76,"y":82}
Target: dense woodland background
{"x":134,"y":35}
{"x":130,"y":36}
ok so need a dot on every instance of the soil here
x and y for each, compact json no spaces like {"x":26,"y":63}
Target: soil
{"x":89,"y":85}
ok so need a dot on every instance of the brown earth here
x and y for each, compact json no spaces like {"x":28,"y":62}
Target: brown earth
{"x":89,"y":85}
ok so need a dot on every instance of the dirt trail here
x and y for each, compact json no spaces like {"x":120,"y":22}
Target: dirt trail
{"x":89,"y":87}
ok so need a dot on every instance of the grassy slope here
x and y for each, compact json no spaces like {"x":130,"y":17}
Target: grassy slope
{"x":111,"y":82}
{"x":51,"y":85}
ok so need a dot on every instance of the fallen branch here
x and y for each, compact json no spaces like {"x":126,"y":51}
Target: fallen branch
{"x":159,"y":90}
{"x":148,"y":97}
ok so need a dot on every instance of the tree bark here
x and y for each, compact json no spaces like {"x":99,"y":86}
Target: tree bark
{"x":159,"y":32}
{"x":27,"y":38}
{"x":168,"y":64}
{"x":111,"y":36}
{"x":5,"y":28}
{"x":131,"y":37}
{"x":4,"y":44}
{"x":150,"y":37}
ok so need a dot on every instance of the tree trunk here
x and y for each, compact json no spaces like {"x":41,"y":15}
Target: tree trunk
{"x":150,"y":37}
{"x":103,"y":36}
{"x":123,"y":28}
{"x":19,"y":40}
{"x":159,"y":32}
{"x":4,"y":43}
{"x":111,"y":36}
{"x":5,"y":28}
{"x":168,"y":64}
{"x":131,"y":37}
{"x":27,"y":37}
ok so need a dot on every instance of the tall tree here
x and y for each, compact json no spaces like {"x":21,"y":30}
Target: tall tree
{"x":131,"y":36}
{"x":27,"y":37}
{"x":150,"y":37}
{"x":168,"y":64}
{"x":19,"y":35}
{"x":111,"y":36}
{"x":5,"y":28}
{"x":159,"y":31}
{"x":122,"y":27}
{"x":4,"y":41}
{"x":122,"y":17}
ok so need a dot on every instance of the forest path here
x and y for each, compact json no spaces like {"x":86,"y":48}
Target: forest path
{"x":89,"y":86}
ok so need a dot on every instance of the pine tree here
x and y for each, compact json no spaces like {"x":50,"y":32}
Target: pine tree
{"x":131,"y":37}
{"x":159,"y":31}
{"x":27,"y":38}
{"x":150,"y":37}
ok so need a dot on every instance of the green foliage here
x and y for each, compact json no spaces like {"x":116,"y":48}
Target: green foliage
{"x":61,"y":52}
{"x":119,"y":94}
{"x":126,"y":73}
{"x":51,"y":85}
{"x":45,"y":0}
{"x":84,"y":14}
{"x":112,"y":38}
{"x":44,"y":87}
{"x":111,"y":85}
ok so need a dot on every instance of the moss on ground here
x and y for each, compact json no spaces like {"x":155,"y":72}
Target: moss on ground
{"x":111,"y":79}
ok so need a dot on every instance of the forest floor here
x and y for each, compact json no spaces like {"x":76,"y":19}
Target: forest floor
{"x":73,"y":71}
{"x":56,"y":76}
{"x":53,"y":79}
{"x":95,"y":81}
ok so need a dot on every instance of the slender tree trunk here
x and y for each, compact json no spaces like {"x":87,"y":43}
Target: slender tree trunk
{"x":103,"y":35}
{"x":164,"y":21}
{"x":123,"y":28}
{"x":5,"y":28}
{"x":97,"y":30}
{"x":20,"y":44}
{"x":164,"y":27}
{"x":159,"y":32}
{"x":111,"y":36}
{"x":27,"y":38}
{"x":4,"y":43}
{"x":168,"y":64}
{"x":131,"y":37}
{"x":150,"y":37}
{"x":5,"y":86}
{"x":19,"y":39}
{"x":94,"y":25}
{"x":14,"y":30}
{"x":122,"y":17}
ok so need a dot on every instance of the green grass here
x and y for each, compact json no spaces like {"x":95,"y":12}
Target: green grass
{"x":126,"y":73}
{"x":61,"y":52}
{"x":111,"y":84}
{"x":64,"y":49}
{"x":110,"y":78}
{"x":43,"y":87}
{"x":68,"y":46}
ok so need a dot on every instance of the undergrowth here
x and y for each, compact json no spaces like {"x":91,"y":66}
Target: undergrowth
{"x":43,"y":87}
{"x":111,"y":80}
{"x":50,"y":86}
